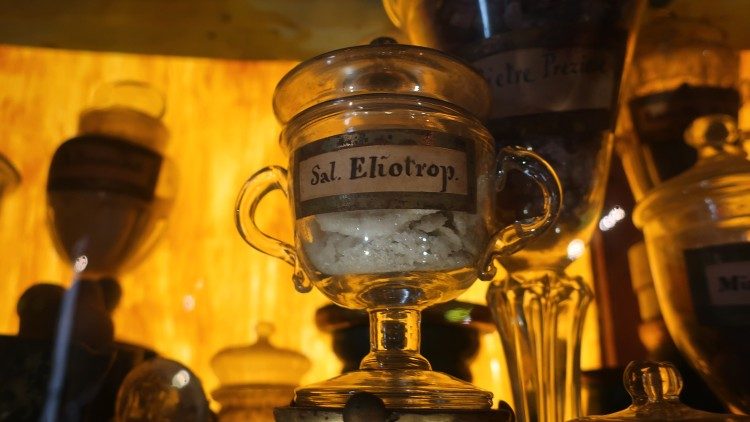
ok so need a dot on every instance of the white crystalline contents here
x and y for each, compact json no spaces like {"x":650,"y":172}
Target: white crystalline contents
{"x":464,"y":224}
{"x":377,"y":241}
{"x":431,"y":223}
{"x":373,"y":223}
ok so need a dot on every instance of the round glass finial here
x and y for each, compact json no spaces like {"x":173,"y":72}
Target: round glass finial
{"x":655,"y":388}
{"x":648,"y":381}
{"x":713,"y":134}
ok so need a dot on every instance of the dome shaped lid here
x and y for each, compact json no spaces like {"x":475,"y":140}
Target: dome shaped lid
{"x":260,"y":363}
{"x":722,"y":171}
{"x":655,"y":388}
{"x":383,"y":67}
{"x":130,"y":110}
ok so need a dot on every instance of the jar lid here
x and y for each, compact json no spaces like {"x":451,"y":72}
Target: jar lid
{"x":655,"y":388}
{"x":260,"y":364}
{"x":722,"y":171}
{"x":382,"y":67}
{"x":130,"y":110}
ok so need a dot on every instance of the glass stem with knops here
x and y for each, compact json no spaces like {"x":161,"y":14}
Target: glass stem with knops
{"x":394,"y":340}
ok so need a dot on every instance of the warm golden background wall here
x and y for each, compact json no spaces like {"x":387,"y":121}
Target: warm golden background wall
{"x":202,"y":288}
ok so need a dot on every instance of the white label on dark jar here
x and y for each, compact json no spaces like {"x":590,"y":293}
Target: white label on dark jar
{"x":729,"y":283}
{"x":541,"y":80}
{"x":720,"y":283}
{"x":385,"y":169}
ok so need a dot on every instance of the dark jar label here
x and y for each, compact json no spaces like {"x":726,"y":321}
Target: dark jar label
{"x":96,"y":162}
{"x":719,"y":279}
{"x":385,"y":169}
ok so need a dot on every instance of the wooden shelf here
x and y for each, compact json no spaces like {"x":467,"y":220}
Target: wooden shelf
{"x":246,"y":29}
{"x":233,"y":29}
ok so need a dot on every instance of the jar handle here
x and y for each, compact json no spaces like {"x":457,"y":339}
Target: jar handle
{"x":252,"y":193}
{"x":511,"y":239}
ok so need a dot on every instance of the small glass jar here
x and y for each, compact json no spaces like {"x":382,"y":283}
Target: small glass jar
{"x":110,"y":187}
{"x":697,"y":231}
{"x":256,"y":378}
{"x":376,"y":100}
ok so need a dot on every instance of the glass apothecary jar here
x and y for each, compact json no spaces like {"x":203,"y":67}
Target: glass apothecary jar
{"x":392,"y":181}
{"x":697,"y":231}
{"x":110,"y":187}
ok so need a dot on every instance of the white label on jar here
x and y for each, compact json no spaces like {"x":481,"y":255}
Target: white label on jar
{"x":543,"y":80}
{"x":729,"y":283}
{"x":384,"y":169}
{"x":719,"y":277}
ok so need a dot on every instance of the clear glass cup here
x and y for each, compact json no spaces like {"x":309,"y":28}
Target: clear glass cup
{"x":392,"y":181}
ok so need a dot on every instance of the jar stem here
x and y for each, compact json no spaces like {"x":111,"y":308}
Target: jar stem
{"x":394,"y":340}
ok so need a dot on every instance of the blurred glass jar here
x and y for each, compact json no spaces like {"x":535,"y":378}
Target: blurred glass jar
{"x":697,"y":231}
{"x":110,"y":187}
{"x":682,"y":69}
{"x":257,"y":378}
{"x":554,"y":72}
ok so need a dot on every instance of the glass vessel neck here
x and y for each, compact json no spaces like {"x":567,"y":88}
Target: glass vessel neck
{"x":395,"y":340}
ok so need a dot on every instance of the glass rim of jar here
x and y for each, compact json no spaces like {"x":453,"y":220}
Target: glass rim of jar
{"x":697,"y":28}
{"x":330,"y":107}
{"x":416,"y":65}
{"x":669,"y":196}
